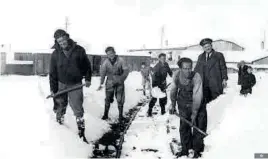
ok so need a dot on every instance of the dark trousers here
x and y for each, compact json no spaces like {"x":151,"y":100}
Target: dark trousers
{"x":245,"y":90}
{"x":162,"y":103}
{"x":192,"y":139}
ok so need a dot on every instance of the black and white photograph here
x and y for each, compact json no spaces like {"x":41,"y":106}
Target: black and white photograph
{"x":133,"y":79}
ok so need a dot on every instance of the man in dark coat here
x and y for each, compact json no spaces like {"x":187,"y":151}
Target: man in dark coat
{"x":68,"y":65}
{"x":159,"y":75}
{"x":242,"y":70}
{"x":212,"y":68}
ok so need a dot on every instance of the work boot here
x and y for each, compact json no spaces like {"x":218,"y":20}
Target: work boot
{"x":181,"y":153}
{"x":59,"y":118}
{"x":120,"y":110}
{"x":81,"y":128}
{"x":106,"y":112}
{"x":149,"y":112}
{"x":144,"y":93}
{"x":163,"y":110}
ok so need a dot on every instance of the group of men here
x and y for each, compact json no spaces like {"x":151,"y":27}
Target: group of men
{"x":190,"y":90}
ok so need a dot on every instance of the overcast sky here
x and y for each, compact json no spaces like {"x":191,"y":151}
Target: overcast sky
{"x":30,"y":24}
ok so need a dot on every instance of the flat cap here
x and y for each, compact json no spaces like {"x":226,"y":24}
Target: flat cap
{"x":206,"y":41}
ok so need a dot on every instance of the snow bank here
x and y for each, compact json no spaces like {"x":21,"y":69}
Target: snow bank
{"x":18,"y":62}
{"x":94,"y":107}
{"x":157,"y":93}
{"x":28,"y":123}
{"x":242,"y":130}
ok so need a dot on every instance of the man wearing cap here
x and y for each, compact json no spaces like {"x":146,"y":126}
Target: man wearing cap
{"x":116,"y":70}
{"x":212,"y":67}
{"x":159,"y":75}
{"x":68,"y":65}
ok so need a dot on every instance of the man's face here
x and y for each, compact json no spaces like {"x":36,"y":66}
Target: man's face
{"x":162,"y":59}
{"x":142,"y":66}
{"x":249,"y":70}
{"x":207,"y":48}
{"x":186,"y":68}
{"x":111,"y":55}
{"x":63,"y":42}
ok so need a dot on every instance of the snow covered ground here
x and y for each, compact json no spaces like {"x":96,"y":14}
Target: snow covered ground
{"x":237,"y":125}
{"x":28,"y":123}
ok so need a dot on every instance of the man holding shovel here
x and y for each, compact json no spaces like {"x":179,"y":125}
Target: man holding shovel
{"x":187,"y":92}
{"x":68,"y":64}
{"x":116,"y":70}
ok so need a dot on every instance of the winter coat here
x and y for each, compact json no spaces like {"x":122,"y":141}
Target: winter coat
{"x":212,"y":71}
{"x":68,"y":70}
{"x":241,"y":73}
{"x":116,"y":73}
{"x":248,"y":81}
{"x":159,"y":75}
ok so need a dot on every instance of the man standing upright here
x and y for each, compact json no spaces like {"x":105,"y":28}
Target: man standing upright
{"x":242,"y":70}
{"x":187,"y":91}
{"x":116,"y":71}
{"x":69,"y":64}
{"x":212,"y":68}
{"x":159,"y":75}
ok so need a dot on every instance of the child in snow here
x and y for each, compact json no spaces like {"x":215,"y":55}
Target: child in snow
{"x":145,"y":73}
{"x":247,"y":82}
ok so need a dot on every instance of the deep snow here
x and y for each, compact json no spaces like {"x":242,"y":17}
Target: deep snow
{"x":237,"y":125}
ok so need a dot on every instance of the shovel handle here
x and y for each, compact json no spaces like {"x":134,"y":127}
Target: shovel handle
{"x":66,"y":90}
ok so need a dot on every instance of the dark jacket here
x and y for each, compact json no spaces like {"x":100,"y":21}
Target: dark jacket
{"x":159,"y":76}
{"x":241,"y":73}
{"x":68,"y":70}
{"x":248,"y":81}
{"x":212,"y":71}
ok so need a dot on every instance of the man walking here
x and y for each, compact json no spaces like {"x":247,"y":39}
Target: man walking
{"x":186,"y":91}
{"x":160,"y":71}
{"x":68,"y":64}
{"x":242,"y":70}
{"x":212,"y":68}
{"x":116,"y":71}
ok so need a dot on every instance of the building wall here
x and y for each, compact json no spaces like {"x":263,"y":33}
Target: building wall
{"x":262,"y":61}
{"x":23,"y":56}
{"x":19,"y":69}
{"x":2,"y":62}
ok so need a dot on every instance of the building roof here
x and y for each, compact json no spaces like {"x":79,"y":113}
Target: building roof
{"x":230,"y":56}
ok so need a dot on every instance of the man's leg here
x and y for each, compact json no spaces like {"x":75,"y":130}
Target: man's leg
{"x":198,"y":138}
{"x":76,"y":99}
{"x":162,"y":103}
{"x":61,"y":103}
{"x":120,"y":97}
{"x":109,"y":92}
{"x":185,"y":132}
{"x":151,"y":105}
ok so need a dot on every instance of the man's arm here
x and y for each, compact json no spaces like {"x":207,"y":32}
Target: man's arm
{"x":169,"y":71}
{"x":86,"y":66}
{"x":103,"y":70}
{"x":223,"y":67}
{"x":53,"y":75}
{"x":197,"y":93}
{"x":253,"y":80}
{"x":174,"y":89}
{"x":125,"y":70}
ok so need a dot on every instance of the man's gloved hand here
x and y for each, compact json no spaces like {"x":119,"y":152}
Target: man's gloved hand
{"x":99,"y":88}
{"x":224,"y":83}
{"x":88,"y":83}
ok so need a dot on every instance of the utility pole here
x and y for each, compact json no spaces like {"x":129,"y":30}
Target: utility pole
{"x":162,"y":35}
{"x":66,"y":23}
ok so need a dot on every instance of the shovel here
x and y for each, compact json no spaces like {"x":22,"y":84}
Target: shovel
{"x":65,"y":91}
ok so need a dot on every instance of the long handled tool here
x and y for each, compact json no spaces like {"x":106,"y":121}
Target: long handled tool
{"x":65,"y":91}
{"x":190,"y":123}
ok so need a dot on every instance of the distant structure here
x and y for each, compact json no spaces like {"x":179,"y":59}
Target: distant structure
{"x":219,"y":45}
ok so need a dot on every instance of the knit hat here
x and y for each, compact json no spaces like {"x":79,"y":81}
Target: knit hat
{"x":60,"y":33}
